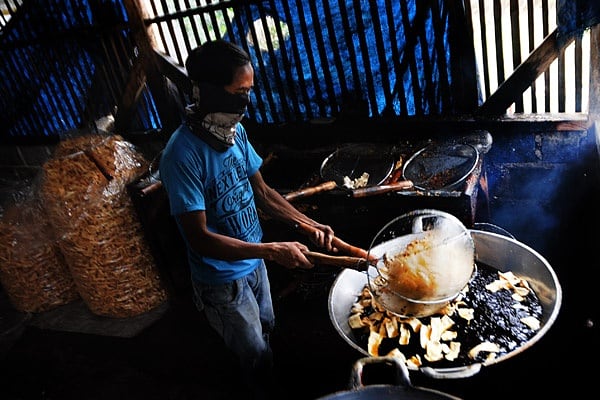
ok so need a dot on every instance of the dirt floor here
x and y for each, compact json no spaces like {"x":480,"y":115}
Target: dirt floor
{"x":170,"y":353}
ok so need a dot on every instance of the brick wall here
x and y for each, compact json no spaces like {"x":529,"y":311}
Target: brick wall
{"x":536,"y":178}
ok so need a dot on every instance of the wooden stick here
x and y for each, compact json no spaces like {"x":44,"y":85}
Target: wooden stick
{"x":329,"y":185}
{"x":337,"y":242}
{"x":357,"y":263}
{"x":392,"y":187}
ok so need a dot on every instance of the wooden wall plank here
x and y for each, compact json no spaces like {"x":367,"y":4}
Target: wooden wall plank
{"x":512,"y":88}
{"x":515,"y":29}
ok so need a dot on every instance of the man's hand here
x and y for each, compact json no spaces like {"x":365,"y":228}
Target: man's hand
{"x":323,"y":236}
{"x":290,"y":255}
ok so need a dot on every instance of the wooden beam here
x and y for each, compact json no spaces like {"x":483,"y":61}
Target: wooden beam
{"x":133,"y":89}
{"x":464,"y":69}
{"x":594,"y":102}
{"x":522,"y":77}
{"x":416,"y":128}
{"x":168,"y":67}
{"x":594,"y":99}
{"x":147,"y":61}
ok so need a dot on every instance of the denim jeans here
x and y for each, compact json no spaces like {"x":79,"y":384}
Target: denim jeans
{"x":242,"y":314}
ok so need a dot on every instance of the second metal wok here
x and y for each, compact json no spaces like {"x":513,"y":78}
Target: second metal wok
{"x":351,"y":161}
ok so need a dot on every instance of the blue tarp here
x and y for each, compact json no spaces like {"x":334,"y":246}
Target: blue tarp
{"x":356,"y":55}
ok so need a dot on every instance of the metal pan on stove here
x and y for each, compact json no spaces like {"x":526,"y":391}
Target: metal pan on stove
{"x":352,"y":161}
{"x":441,"y":166}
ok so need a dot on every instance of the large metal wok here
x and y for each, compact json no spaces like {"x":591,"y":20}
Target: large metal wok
{"x":495,"y":250}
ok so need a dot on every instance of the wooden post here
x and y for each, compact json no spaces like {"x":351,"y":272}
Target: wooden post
{"x":145,"y":69}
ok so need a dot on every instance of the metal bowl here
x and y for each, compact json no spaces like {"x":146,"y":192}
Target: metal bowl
{"x":495,"y":250}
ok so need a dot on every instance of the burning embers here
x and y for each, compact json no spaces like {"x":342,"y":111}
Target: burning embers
{"x":496,"y":313}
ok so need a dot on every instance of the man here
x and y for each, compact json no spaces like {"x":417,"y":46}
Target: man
{"x":211,"y":174}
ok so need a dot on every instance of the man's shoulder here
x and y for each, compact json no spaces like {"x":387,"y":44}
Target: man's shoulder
{"x":182,"y":137}
{"x":181,"y":130}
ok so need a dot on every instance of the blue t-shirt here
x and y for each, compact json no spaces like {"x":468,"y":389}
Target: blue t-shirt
{"x":197,"y":177}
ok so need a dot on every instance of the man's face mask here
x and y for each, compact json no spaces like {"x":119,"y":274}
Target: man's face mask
{"x":222,"y":126}
{"x":219,"y":110}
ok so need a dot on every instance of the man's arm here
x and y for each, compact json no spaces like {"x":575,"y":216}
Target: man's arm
{"x":275,"y":205}
{"x":214,"y":245}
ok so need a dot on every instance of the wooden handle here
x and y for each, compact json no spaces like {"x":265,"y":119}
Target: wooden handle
{"x":337,"y":242}
{"x":357,"y":263}
{"x":151,"y":188}
{"x":396,"y":175}
{"x":329,"y":185}
{"x":392,"y":187}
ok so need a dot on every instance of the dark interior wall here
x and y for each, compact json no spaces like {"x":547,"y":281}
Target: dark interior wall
{"x":525,"y":170}
{"x":66,"y":64}
{"x":63,"y":66}
{"x":517,"y":159}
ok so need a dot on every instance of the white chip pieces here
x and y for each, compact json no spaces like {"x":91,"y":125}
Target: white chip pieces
{"x":520,"y":288}
{"x":484,"y":346}
{"x":437,"y":339}
{"x":359,"y":182}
